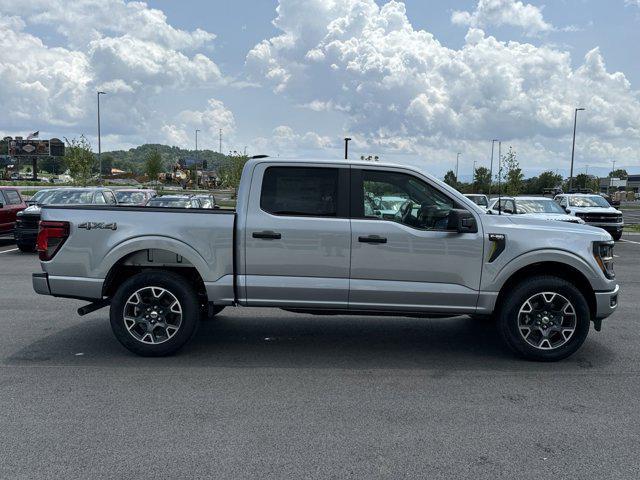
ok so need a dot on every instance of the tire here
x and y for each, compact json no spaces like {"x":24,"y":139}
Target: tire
{"x":157,"y":293}
{"x":616,"y":235}
{"x":535,"y":322}
{"x":26,"y":247}
{"x":211,"y":311}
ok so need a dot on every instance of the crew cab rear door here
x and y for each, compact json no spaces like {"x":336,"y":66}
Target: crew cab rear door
{"x":409,"y":261}
{"x":298,"y":236}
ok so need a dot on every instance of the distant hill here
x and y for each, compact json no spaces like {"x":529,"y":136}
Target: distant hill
{"x":133,"y":159}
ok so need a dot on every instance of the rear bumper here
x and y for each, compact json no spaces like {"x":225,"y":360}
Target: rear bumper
{"x":40,"y":283}
{"x":606,"y":302}
{"x":68,"y":287}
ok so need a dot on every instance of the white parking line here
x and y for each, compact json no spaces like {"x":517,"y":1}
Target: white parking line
{"x":630,"y":241}
{"x":7,"y":251}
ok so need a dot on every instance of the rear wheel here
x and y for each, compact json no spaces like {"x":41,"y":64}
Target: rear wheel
{"x":544,"y":318}
{"x":154,"y":313}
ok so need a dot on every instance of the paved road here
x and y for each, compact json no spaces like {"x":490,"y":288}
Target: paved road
{"x":265,"y":394}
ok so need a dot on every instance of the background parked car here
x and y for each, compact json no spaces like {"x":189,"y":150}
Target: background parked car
{"x":175,"y":201}
{"x":39,"y":196}
{"x":594,"y":210}
{"x":479,"y":199}
{"x":535,"y":207}
{"x":134,"y":196}
{"x":26,"y":231}
{"x":11,"y":203}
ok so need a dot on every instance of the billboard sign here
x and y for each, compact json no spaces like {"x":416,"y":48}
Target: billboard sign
{"x":29,"y":148}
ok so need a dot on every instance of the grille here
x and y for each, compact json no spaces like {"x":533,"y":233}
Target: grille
{"x":601,"y":217}
{"x":30,"y":223}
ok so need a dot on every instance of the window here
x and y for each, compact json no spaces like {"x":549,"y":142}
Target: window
{"x":12,"y":197}
{"x":99,"y":199}
{"x":300,"y":191}
{"x":506,"y":206}
{"x":109,"y":197}
{"x":404,"y":199}
{"x":2,"y":200}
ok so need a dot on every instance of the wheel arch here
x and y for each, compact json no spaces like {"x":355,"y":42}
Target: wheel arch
{"x":551,"y":268}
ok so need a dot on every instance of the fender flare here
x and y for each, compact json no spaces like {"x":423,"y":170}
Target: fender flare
{"x":542,"y":256}
{"x":121,"y":250}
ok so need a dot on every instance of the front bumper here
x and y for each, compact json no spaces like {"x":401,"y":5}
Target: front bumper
{"x":606,"y":303}
{"x":25,"y":235}
{"x":609,"y":227}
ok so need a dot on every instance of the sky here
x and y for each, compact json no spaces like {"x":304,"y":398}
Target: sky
{"x":413,"y":82}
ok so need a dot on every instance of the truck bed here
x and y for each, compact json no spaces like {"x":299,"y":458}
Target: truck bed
{"x":101,"y":236}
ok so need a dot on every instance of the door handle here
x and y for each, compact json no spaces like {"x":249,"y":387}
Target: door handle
{"x":267,"y":235}
{"x":372,"y":239}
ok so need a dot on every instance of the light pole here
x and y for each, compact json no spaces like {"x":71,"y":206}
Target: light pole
{"x":573,"y":147}
{"x":499,"y":177}
{"x":197,"y":159}
{"x":99,"y":143}
{"x":346,"y":147}
{"x":457,"y":163}
{"x":493,"y":142}
{"x":473,"y":177}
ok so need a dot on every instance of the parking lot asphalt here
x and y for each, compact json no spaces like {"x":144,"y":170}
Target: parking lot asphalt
{"x":262,"y":393}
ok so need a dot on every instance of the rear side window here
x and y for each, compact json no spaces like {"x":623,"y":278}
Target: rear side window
{"x":306,"y":191}
{"x":12,"y":197}
{"x":2,"y":200}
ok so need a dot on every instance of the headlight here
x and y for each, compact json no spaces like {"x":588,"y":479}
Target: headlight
{"x":603,"y":253}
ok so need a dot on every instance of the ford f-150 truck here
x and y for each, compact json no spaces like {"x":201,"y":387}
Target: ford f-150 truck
{"x":301,"y":239}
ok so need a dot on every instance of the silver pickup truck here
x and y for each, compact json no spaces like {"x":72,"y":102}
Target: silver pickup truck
{"x":302,"y":239}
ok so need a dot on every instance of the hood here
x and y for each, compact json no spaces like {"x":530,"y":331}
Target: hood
{"x":562,"y":217}
{"x":31,"y":210}
{"x":594,"y":210}
{"x":526,"y":222}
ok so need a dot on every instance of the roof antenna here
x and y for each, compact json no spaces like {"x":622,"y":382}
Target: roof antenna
{"x":499,"y":178}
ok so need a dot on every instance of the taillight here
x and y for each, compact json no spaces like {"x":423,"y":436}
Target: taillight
{"x":51,"y":236}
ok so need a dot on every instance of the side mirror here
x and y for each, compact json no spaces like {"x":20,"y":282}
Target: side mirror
{"x":462,"y":221}
{"x":566,"y":209}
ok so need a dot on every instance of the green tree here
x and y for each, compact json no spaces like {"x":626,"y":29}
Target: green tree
{"x":548,"y":179}
{"x":79,"y":159}
{"x":107,"y":164}
{"x":450,"y":178}
{"x":231,"y":171}
{"x":481,"y":179}
{"x":619,"y":173}
{"x":512,"y":175}
{"x":153,"y":165}
{"x":583,"y":180}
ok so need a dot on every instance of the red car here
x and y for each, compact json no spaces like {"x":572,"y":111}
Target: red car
{"x":11,"y":203}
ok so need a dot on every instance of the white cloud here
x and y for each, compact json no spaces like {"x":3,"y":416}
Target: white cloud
{"x":124,"y":48}
{"x":39,"y":81}
{"x":504,"y":12}
{"x":401,"y":89}
{"x":209,"y":121}
{"x":284,"y":140}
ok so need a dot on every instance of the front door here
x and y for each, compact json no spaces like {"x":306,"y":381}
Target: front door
{"x":403,"y":257}
{"x":298,"y":236}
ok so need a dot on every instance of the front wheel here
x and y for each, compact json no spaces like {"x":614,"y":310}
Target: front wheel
{"x":544,"y":318}
{"x":616,"y":235}
{"x":154,"y":313}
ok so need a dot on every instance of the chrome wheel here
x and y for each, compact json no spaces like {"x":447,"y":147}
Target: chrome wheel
{"x":152,"y":315}
{"x":547,"y":320}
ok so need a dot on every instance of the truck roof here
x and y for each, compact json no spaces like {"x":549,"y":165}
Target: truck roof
{"x":329,"y":161}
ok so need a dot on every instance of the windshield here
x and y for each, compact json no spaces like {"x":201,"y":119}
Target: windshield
{"x":39,"y":196}
{"x":538,"y":206}
{"x":66,"y":197}
{"x":131,"y":197}
{"x":588,"y":201}
{"x":170,"y":202}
